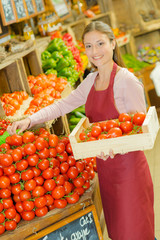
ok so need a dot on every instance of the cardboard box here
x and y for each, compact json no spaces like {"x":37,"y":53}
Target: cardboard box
{"x":123,"y":144}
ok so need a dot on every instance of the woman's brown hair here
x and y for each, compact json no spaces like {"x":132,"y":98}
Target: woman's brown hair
{"x":106,"y":29}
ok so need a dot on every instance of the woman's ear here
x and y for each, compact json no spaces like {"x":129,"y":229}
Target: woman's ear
{"x":114,"y":43}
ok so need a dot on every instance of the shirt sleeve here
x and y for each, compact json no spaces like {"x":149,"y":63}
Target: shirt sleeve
{"x":129,"y":93}
{"x":75,"y":99}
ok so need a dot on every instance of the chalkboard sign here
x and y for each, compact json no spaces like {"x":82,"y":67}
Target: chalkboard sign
{"x":30,"y":8}
{"x":21,"y":11}
{"x":4,"y":30}
{"x":7,"y":12}
{"x":40,"y":5}
{"x":81,"y":225}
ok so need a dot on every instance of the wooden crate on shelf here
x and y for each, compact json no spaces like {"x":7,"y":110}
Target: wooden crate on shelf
{"x":120,"y":145}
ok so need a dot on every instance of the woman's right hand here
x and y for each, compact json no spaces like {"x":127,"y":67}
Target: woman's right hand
{"x":22,"y":125}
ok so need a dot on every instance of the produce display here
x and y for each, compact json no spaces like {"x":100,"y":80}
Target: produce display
{"x":11,"y":102}
{"x":132,"y":63}
{"x":4,"y":123}
{"x":148,"y":53}
{"x":124,"y":125}
{"x":38,"y":173}
{"x":62,"y":57}
{"x":46,"y":89}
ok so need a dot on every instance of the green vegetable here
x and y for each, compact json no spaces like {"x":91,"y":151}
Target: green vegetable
{"x":80,"y":109}
{"x":79,"y":114}
{"x":71,"y":127}
{"x":66,"y":72}
{"x":63,"y":63}
{"x":56,"y":56}
{"x":74,"y":120}
{"x":51,"y":71}
{"x":45,"y":55}
{"x":48,"y":63}
{"x":55,"y":45}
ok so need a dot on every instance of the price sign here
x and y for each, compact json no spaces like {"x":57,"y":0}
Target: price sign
{"x":81,"y":225}
{"x":21,"y":11}
{"x":7,"y":12}
{"x":40,"y":5}
{"x":30,"y":7}
{"x":61,"y":7}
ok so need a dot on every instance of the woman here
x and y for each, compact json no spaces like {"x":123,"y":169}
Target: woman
{"x":125,"y":182}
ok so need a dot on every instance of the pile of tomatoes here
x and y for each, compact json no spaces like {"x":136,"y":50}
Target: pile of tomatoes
{"x":3,"y":125}
{"x":11,"y":102}
{"x":124,"y":125}
{"x":38,"y":173}
{"x":46,"y":89}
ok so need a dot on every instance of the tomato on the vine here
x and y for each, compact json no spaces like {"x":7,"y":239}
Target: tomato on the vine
{"x":123,"y":117}
{"x":138,"y":118}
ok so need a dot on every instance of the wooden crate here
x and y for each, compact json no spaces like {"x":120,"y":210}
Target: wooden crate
{"x":121,"y":145}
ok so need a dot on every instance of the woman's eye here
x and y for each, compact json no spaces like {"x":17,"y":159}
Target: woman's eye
{"x":100,"y":43}
{"x":87,"y":46}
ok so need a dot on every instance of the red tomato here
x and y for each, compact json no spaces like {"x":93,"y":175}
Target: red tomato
{"x":40,"y":202}
{"x":69,"y":148}
{"x":96,"y":131}
{"x":29,"y":148}
{"x":40,"y":212}
{"x":43,"y":164}
{"x":2,"y":229}
{"x":73,"y":198}
{"x":36,"y":171}
{"x":71,"y":161}
{"x":64,"y":166}
{"x":6,"y":160}
{"x":123,"y":117}
{"x":48,"y":173}
{"x":10,"y":225}
{"x":24,"y":195}
{"x":5,"y":193}
{"x":80,"y":165}
{"x":102,"y":136}
{"x":10,"y":213}
{"x":28,"y":137}
{"x":58,"y":192}
{"x":4,"y":182}
{"x":28,"y":205}
{"x":86,"y":185}
{"x":49,"y":184}
{"x":114,"y":132}
{"x":15,"y":178}
{"x":30,"y":185}
{"x":60,"y":203}
{"x":60,"y":180}
{"x":49,"y":199}
{"x":33,"y":160}
{"x":16,"y":155}
{"x":40,"y":143}
{"x":27,"y":175}
{"x":16,"y":189}
{"x":2,"y":218}
{"x":9,"y":170}
{"x":39,"y":180}
{"x":78,"y":182}
{"x":72,"y":172}
{"x":126,"y":126}
{"x":17,"y":218}
{"x":16,"y":140}
{"x":7,"y":203}
{"x":53,"y":140}
{"x":52,"y":152}
{"x":44,"y":153}
{"x":54,"y":162}
{"x":79,"y":190}
{"x":22,"y":165}
{"x":138,"y":118}
{"x":28,"y":215}
{"x":60,"y":147}
{"x":111,"y":124}
{"x":62,"y":157}
{"x":38,"y":191}
{"x":68,"y":187}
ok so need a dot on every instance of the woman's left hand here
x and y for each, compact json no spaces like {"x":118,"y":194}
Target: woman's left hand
{"x":105,"y":157}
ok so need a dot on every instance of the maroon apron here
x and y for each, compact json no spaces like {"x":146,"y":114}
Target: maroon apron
{"x":125,"y":181}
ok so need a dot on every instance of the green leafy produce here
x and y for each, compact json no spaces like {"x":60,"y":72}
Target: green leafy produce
{"x":131,"y":62}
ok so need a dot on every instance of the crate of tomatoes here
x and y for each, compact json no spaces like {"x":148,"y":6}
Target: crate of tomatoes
{"x":125,"y":134}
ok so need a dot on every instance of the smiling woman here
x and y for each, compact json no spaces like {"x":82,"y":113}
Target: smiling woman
{"x":125,"y":182}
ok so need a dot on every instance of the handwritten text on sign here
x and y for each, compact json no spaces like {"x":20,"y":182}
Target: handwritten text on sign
{"x":80,"y":229}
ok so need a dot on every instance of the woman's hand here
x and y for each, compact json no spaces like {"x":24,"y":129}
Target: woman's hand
{"x":22,"y":125}
{"x":105,"y":157}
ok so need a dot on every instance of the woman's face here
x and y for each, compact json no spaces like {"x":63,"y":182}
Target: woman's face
{"x":98,"y":48}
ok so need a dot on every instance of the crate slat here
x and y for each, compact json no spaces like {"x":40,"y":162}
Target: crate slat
{"x":120,"y":145}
